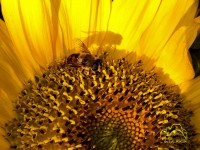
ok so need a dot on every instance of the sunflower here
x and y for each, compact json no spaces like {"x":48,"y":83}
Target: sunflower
{"x":132,"y":88}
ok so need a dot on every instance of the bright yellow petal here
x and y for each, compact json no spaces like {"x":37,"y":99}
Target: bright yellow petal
{"x":175,"y":59}
{"x":13,"y":69}
{"x":130,"y":19}
{"x":165,"y":23}
{"x":7,"y":54}
{"x":146,"y":26}
{"x":157,"y":30}
{"x":52,"y":11}
{"x":88,"y":20}
{"x":32,"y":32}
{"x":62,"y":14}
{"x":168,"y":47}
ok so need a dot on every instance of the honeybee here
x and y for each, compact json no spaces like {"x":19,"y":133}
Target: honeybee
{"x":85,"y":58}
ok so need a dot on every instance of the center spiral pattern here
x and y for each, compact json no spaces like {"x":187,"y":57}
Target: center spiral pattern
{"x":121,"y":107}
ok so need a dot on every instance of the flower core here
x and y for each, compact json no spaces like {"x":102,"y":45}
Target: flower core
{"x":120,"y":107}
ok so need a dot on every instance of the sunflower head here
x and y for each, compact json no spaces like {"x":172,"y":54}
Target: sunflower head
{"x":121,"y":107}
{"x":66,"y":98}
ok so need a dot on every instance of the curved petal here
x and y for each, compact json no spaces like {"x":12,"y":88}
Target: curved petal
{"x":146,"y":26}
{"x":6,"y":113}
{"x":152,"y":29}
{"x":191,"y":91}
{"x":10,"y":83}
{"x":6,"y":108}
{"x":130,"y":19}
{"x":190,"y":12}
{"x":14,"y":71}
{"x":175,"y":58}
{"x":88,"y":20}
{"x":32,"y":33}
{"x":52,"y":10}
{"x":165,"y":23}
{"x":7,"y":54}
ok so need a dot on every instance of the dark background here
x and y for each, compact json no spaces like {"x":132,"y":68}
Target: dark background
{"x":1,"y":16}
{"x":194,"y":50}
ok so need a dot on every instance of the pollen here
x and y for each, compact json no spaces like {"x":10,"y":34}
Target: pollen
{"x":121,"y":107}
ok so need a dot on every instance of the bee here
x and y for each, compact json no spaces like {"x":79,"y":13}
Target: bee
{"x":85,"y":58}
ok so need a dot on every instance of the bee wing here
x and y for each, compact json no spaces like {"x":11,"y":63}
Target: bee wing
{"x":103,"y":55}
{"x":80,"y":46}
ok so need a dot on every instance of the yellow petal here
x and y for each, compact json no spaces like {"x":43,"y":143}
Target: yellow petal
{"x":149,"y":29}
{"x":4,"y":144}
{"x":146,"y":26}
{"x":197,"y":19}
{"x":191,"y":91}
{"x":62,"y":16}
{"x":10,"y":83}
{"x":6,"y":113}
{"x":6,"y":108}
{"x":8,"y":56}
{"x":32,"y":32}
{"x":168,"y":19}
{"x":52,"y":9}
{"x":13,"y":69}
{"x":130,"y":19}
{"x":190,"y":13}
{"x":175,"y":58}
{"x":85,"y":19}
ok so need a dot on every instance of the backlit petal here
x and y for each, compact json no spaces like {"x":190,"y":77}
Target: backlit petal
{"x":32,"y":32}
{"x":130,"y":19}
{"x":146,"y":26}
{"x":88,"y":20}
{"x":13,"y":69}
{"x":165,"y":23}
{"x":175,"y":59}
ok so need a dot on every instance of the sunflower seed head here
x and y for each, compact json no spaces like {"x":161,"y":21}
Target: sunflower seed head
{"x":121,"y":107}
